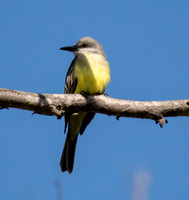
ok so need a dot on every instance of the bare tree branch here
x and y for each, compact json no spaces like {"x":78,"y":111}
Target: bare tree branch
{"x":58,"y":104}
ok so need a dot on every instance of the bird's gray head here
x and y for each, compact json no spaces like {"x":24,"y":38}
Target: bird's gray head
{"x":86,"y":44}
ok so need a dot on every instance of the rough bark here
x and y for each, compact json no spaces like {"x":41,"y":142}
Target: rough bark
{"x":58,"y":104}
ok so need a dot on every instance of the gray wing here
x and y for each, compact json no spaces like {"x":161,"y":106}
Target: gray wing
{"x":71,"y":81}
{"x":70,"y":87}
{"x":86,"y":120}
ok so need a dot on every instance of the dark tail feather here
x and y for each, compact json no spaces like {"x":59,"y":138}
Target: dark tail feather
{"x":67,"y":158}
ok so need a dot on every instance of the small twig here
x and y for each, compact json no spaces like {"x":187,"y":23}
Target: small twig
{"x":161,"y":122}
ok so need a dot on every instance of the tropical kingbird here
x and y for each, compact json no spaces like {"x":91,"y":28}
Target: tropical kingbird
{"x":89,"y":73}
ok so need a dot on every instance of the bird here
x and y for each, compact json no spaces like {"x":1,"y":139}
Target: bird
{"x":88,"y":74}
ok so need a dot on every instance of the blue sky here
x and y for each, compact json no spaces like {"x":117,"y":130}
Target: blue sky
{"x":147,"y":45}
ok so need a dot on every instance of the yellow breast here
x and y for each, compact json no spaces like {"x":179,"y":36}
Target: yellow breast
{"x":92,"y":72}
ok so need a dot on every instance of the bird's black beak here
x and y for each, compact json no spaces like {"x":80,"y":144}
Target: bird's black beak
{"x":72,"y":48}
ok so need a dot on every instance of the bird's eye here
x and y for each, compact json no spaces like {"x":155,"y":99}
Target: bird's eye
{"x":84,"y":45}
